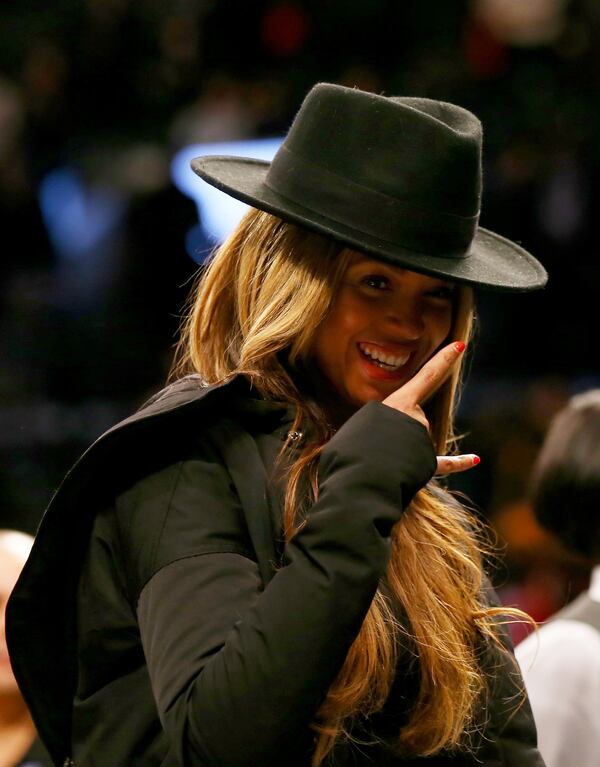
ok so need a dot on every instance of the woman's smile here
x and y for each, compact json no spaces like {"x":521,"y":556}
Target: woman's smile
{"x":384,"y":323}
{"x":383,"y":363}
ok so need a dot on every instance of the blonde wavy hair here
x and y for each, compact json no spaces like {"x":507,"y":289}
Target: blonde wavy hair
{"x":255,"y":312}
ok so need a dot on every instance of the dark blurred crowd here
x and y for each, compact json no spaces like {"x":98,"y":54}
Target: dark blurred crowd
{"x":97,"y":95}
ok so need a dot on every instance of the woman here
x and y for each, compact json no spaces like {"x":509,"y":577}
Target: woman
{"x":561,"y":662}
{"x":259,"y":569}
{"x":19,"y":745}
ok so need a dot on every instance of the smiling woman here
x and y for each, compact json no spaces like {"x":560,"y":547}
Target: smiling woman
{"x":385,"y":322}
{"x":260,"y":567}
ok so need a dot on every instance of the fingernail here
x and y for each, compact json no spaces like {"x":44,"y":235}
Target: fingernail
{"x":459,"y":346}
{"x":476,"y":460}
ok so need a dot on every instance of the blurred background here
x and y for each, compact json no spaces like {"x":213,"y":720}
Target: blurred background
{"x":97,"y":98}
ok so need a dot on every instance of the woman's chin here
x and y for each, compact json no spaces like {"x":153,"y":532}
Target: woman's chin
{"x":372,"y":392}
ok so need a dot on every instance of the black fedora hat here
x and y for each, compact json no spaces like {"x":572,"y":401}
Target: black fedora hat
{"x":397,"y":178}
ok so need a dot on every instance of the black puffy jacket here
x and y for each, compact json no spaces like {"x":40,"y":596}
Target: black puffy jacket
{"x":161,"y":621}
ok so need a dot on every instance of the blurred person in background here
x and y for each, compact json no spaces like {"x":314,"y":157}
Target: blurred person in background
{"x":19,"y":746}
{"x":258,"y":567}
{"x":561,"y":662}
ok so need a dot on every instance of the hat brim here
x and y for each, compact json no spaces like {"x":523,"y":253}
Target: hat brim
{"x":493,"y":261}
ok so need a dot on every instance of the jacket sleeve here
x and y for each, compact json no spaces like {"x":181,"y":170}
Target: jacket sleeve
{"x":238,"y":672}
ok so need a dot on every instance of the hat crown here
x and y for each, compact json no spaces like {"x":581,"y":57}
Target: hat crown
{"x":398,"y":178}
{"x":424,"y":153}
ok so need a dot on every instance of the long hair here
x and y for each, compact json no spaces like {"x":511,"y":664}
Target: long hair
{"x":255,"y":311}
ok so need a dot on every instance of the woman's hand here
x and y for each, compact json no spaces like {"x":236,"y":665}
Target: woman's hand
{"x":450,"y":464}
{"x":408,"y":398}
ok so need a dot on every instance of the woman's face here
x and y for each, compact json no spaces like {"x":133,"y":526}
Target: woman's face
{"x":384,"y":323}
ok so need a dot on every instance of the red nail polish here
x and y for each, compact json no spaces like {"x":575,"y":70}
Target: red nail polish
{"x":459,"y":346}
{"x":476,"y":460}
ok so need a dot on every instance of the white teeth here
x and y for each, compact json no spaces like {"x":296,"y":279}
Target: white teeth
{"x":389,"y":360}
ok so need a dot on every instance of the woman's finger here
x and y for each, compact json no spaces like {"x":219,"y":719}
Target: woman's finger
{"x":433,"y":372}
{"x":450,"y":464}
{"x":408,"y":397}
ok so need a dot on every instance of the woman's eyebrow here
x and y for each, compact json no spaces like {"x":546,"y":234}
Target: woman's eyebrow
{"x":371,"y":263}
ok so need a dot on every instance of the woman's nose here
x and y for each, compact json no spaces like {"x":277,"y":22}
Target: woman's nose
{"x":407,"y":318}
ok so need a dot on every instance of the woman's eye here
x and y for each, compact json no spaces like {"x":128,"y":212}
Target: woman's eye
{"x":443,"y":293}
{"x":376,"y":281}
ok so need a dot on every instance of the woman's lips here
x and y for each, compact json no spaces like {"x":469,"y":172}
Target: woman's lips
{"x":389,"y":367}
